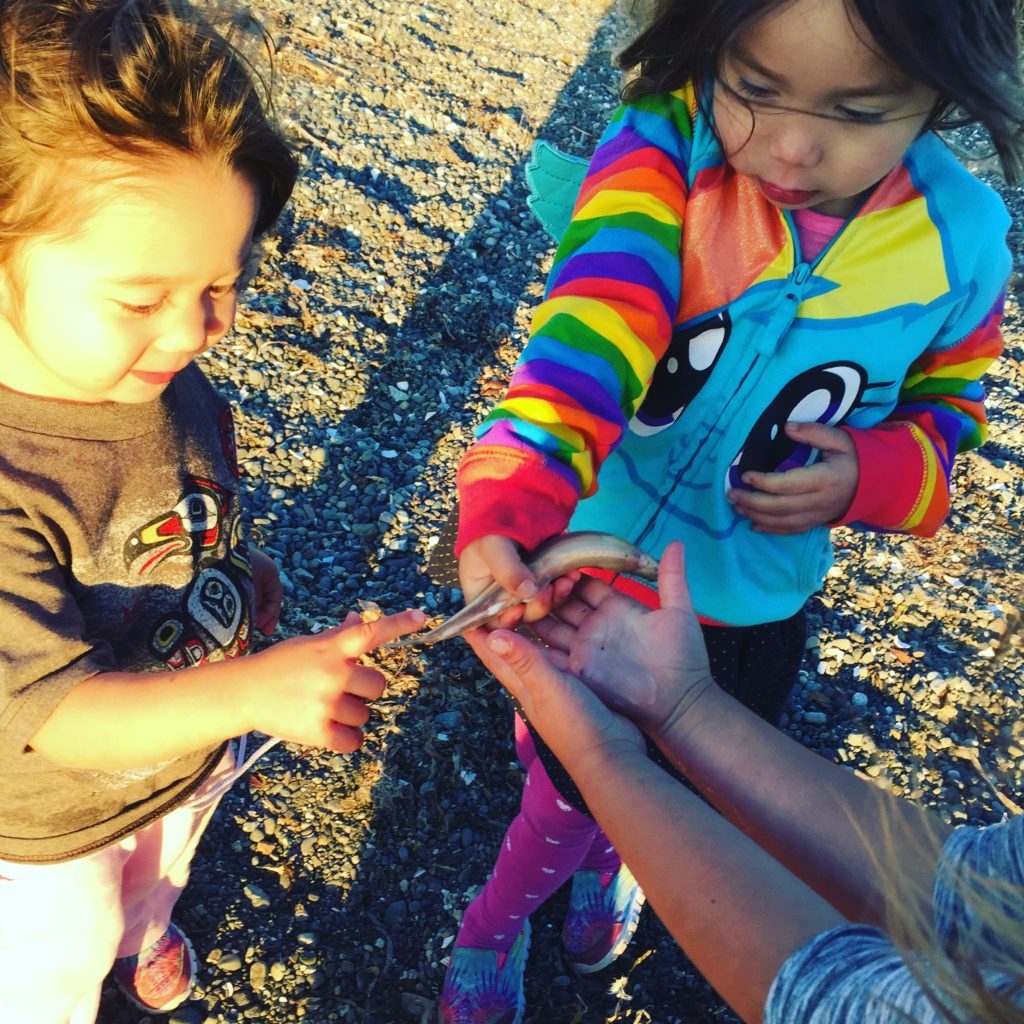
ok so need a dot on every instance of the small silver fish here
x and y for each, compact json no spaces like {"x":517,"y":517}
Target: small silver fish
{"x":586,"y":549}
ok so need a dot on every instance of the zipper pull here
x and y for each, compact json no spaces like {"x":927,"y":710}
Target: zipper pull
{"x":771,"y":334}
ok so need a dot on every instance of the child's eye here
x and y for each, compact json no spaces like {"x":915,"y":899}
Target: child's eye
{"x":748,"y":88}
{"x":218,"y":290}
{"x":146,"y":309}
{"x":861,"y":116}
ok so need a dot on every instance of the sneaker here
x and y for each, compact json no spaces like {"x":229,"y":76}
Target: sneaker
{"x":604,"y":910}
{"x":159,"y":978}
{"x":483,"y":986}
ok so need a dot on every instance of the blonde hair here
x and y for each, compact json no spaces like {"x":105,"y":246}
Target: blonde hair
{"x":121,"y":82}
{"x":959,"y":978}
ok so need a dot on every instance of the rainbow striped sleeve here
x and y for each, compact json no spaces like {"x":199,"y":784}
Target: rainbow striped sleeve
{"x":906,"y":461}
{"x":611,"y":300}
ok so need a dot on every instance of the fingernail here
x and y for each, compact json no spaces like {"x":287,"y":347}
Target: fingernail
{"x":499,"y":645}
{"x":527,"y":590}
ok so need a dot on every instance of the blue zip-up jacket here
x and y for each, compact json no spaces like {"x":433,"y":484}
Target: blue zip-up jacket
{"x":681,"y":330}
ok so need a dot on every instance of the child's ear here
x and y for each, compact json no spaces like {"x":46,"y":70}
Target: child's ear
{"x":10,"y":291}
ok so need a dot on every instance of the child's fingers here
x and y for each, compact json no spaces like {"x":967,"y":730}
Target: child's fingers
{"x":349,"y":710}
{"x":754,"y":502}
{"x":563,"y":587}
{"x":510,"y":572}
{"x":785,"y":524}
{"x":266,"y":620}
{"x":363,"y":681}
{"x":509,"y":618}
{"x":342,"y":739}
{"x":539,"y":607}
{"x":820,"y":436}
{"x":792,"y":482}
{"x":363,"y":637}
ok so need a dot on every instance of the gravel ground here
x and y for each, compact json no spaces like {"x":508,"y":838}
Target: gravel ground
{"x":383,"y":323}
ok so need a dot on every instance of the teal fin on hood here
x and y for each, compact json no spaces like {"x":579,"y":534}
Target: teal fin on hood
{"x":554,"y":180}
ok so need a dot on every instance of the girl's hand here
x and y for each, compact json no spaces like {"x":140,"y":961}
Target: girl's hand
{"x":269,"y":591}
{"x":816,"y":495}
{"x":651,"y":665}
{"x":497,"y":558}
{"x":313,"y":690}
{"x":573,"y":722}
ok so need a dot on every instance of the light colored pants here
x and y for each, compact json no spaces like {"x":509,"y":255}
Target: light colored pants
{"x":62,"y":925}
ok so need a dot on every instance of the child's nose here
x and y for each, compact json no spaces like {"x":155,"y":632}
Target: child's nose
{"x":795,"y":142}
{"x":195,"y":328}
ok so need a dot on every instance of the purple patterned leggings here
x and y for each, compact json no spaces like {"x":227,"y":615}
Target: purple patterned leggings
{"x":547,"y":842}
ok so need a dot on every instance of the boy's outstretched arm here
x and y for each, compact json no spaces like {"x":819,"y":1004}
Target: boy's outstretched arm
{"x":309,"y":689}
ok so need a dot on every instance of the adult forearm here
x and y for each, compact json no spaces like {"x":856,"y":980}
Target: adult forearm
{"x":119,"y":720}
{"x":847,"y":839}
{"x":735,"y":912}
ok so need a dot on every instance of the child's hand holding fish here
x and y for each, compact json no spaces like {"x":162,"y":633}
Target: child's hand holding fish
{"x":553,"y":569}
{"x":497,"y":559}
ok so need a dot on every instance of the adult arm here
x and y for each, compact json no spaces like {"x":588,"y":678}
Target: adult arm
{"x":769,"y":944}
{"x":736,"y":913}
{"x":843,"y":836}
{"x":850,"y":841}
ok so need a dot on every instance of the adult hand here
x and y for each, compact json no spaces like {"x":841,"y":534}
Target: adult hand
{"x":651,"y":665}
{"x":494,"y":558}
{"x":573,"y":722}
{"x":269,"y":591}
{"x":796,"y":500}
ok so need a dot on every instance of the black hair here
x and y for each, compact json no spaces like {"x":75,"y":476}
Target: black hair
{"x":965,"y":50}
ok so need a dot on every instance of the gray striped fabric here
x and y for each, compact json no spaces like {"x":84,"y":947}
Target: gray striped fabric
{"x":854,"y":975}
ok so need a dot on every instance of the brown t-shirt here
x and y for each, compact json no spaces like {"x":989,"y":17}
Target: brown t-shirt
{"x":121,"y":549}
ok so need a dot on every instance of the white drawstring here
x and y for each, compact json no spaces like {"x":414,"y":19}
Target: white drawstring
{"x":238,"y":749}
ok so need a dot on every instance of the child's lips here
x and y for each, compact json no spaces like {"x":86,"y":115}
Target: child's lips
{"x":154,"y":377}
{"x":786,"y":196}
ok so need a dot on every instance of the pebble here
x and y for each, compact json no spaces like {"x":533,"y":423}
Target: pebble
{"x":258,"y":974}
{"x":257,"y":897}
